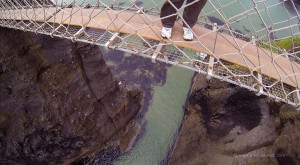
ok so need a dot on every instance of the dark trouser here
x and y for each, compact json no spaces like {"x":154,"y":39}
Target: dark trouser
{"x":190,"y":13}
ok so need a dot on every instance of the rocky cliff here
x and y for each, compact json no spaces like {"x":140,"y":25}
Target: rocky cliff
{"x":59,"y":101}
{"x":225,"y":124}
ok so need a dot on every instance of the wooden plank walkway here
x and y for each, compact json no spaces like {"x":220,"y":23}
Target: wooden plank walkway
{"x":220,"y":45}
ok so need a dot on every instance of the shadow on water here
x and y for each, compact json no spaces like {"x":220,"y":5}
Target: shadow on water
{"x":271,"y":34}
{"x":158,"y":81}
{"x":139,"y":3}
{"x":246,"y":30}
{"x":136,"y":70}
{"x":290,"y":7}
{"x":215,"y":20}
{"x":121,"y":3}
{"x":239,"y":31}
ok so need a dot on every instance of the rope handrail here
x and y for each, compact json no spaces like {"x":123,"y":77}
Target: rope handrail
{"x":246,"y":46}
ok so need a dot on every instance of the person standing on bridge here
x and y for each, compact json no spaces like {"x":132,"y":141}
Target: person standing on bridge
{"x":190,"y":16}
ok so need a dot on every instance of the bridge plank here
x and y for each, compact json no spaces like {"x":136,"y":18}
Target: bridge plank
{"x":219,"y":45}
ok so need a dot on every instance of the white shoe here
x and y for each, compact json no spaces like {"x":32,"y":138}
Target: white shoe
{"x":188,"y":34}
{"x":166,"y":32}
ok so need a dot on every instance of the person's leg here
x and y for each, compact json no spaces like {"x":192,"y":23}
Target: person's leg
{"x":168,"y":9}
{"x":191,"y":13}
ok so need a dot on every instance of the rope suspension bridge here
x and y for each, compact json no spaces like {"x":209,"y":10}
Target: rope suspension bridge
{"x":256,"y":59}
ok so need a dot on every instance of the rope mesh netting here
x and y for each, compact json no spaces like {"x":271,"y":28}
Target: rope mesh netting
{"x":251,"y":43}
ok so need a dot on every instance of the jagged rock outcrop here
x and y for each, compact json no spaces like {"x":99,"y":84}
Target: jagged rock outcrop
{"x":226,"y":124}
{"x":58,"y":100}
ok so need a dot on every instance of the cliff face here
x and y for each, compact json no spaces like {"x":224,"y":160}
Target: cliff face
{"x":225,"y":124}
{"x":58,"y":100}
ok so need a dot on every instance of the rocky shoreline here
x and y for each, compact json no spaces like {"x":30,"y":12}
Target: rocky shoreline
{"x":59,"y":102}
{"x":225,"y":124}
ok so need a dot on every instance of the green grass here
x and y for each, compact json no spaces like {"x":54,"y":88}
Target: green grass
{"x":286,"y":44}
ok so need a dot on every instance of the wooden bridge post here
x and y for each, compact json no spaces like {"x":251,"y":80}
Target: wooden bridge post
{"x":210,"y":67}
{"x":259,"y":87}
{"x":111,"y":40}
{"x":253,"y":39}
{"x":215,"y":27}
{"x":141,"y":10}
{"x":285,"y":53}
{"x":296,"y":97}
{"x":78,"y":34}
{"x":156,"y":52}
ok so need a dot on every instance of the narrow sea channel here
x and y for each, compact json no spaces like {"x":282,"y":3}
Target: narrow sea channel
{"x":162,"y":119}
{"x":166,"y":100}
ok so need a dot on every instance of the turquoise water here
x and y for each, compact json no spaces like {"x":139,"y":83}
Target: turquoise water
{"x":162,"y":119}
{"x":166,"y":88}
{"x":273,"y":15}
{"x":166,"y":109}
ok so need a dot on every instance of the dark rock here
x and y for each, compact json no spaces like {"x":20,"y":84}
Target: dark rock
{"x":1,"y":134}
{"x":77,"y":144}
{"x":66,"y":144}
{"x":225,"y":109}
{"x":34,"y":141}
{"x":224,"y":124}
{"x":283,"y":158}
{"x":45,"y":81}
{"x":2,"y":68}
